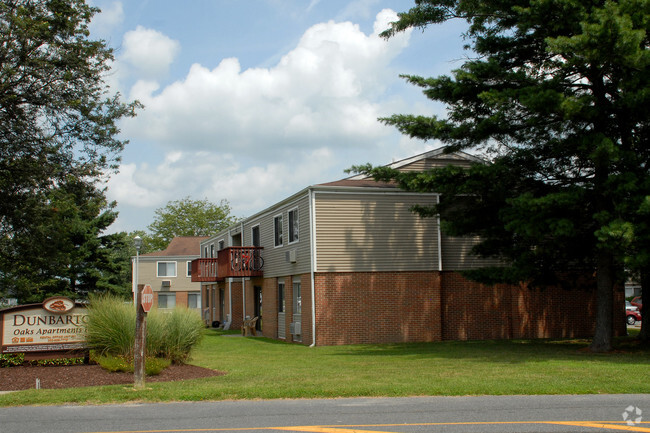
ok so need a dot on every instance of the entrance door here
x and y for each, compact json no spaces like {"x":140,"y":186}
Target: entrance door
{"x":258,"y":306}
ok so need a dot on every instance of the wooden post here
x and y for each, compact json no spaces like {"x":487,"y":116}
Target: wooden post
{"x":140,"y":341}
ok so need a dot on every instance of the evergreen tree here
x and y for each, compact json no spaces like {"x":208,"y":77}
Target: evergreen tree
{"x":558,"y":95}
{"x":57,"y":123}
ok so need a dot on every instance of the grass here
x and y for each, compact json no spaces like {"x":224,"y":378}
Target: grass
{"x":259,"y":368}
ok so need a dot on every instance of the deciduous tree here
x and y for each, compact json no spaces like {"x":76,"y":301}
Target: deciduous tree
{"x":188,"y":217}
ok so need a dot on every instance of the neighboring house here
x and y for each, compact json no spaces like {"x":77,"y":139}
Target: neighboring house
{"x":168,"y":273}
{"x":348,"y":262}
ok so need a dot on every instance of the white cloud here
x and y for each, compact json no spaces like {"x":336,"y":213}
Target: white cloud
{"x":111,"y":16}
{"x":257,"y":136}
{"x":215,"y":176}
{"x":325,"y":92}
{"x":149,"y":52}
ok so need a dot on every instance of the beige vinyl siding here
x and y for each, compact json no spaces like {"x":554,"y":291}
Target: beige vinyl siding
{"x":374,"y":232}
{"x":438,"y":162}
{"x":275,"y":258}
{"x":456,"y":254}
{"x":148,"y":274}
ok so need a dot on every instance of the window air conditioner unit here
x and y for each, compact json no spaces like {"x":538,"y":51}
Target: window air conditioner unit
{"x":166,"y":284}
{"x":291,"y":256}
{"x":295,"y":328}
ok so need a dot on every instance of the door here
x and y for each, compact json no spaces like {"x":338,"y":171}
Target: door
{"x":258,"y":307}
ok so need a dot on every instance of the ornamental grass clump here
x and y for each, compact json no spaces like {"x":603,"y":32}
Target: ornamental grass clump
{"x":111,"y":326}
{"x":184,"y":329}
{"x":170,"y":335}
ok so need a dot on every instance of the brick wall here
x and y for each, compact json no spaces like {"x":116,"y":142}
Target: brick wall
{"x":473,"y":311}
{"x":375,"y":307}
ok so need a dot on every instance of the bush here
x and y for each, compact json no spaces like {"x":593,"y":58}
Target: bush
{"x":111,"y":330}
{"x":11,"y":359}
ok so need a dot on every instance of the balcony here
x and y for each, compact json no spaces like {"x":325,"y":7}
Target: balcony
{"x":230,"y":262}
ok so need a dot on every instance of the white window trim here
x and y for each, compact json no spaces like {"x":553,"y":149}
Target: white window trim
{"x":188,"y":268}
{"x":167,"y":276}
{"x":281,"y":216}
{"x":295,"y":209}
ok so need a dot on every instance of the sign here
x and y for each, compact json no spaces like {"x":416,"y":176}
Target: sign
{"x":58,"y":324}
{"x":147,"y":298}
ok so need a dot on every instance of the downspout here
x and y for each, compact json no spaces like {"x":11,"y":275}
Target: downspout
{"x":243,"y":280}
{"x":440,"y":292}
{"x":312,"y":242}
{"x":230,"y":286}
{"x":439,"y":238}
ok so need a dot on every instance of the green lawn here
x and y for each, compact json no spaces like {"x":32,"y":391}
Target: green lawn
{"x":261,"y":368}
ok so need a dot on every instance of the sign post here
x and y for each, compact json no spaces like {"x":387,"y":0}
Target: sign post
{"x":143,"y":303}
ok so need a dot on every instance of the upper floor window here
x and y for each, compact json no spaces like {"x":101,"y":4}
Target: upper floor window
{"x":277,"y":229}
{"x":189,"y":269}
{"x":294,"y":226}
{"x":212,"y":251}
{"x":166,"y":269}
{"x":255,"y":234}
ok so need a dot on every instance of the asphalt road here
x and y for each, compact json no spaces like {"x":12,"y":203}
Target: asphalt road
{"x":584,"y":413}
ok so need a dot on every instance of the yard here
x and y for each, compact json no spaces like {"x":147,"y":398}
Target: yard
{"x":258,"y":368}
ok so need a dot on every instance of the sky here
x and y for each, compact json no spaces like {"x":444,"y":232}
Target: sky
{"x":252,"y":101}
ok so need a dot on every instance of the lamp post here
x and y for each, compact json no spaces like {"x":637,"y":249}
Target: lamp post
{"x":137,"y":242}
{"x":140,"y":324}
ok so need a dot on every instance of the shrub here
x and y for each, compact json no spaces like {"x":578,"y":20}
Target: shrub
{"x":11,"y":359}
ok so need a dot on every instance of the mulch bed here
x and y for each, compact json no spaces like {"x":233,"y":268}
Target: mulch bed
{"x":74,"y":376}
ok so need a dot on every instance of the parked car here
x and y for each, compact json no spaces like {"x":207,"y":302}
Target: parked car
{"x":637,"y":303}
{"x":632,"y":314}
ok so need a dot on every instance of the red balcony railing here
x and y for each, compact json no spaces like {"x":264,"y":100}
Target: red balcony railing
{"x":230,"y":262}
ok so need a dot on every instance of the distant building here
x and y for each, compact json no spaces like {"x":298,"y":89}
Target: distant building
{"x":169,"y":273}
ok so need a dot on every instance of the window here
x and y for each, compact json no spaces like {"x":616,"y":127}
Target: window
{"x":277,"y":229}
{"x":255,"y":234}
{"x":281,"y":302}
{"x":166,"y":300}
{"x":293,"y":226}
{"x":193,"y":300}
{"x":297,"y":299}
{"x":189,"y":269}
{"x":205,"y":252}
{"x":212,"y":251}
{"x":166,"y":269}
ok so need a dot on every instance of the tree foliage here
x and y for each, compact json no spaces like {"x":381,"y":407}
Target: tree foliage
{"x":188,"y":217}
{"x":558,"y":95}
{"x":58,"y":136}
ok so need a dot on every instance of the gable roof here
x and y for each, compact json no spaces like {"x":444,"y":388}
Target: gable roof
{"x":424,"y":161}
{"x":181,"y":246}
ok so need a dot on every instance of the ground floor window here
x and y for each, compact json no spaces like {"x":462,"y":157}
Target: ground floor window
{"x":193,"y":300}
{"x":166,"y":300}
